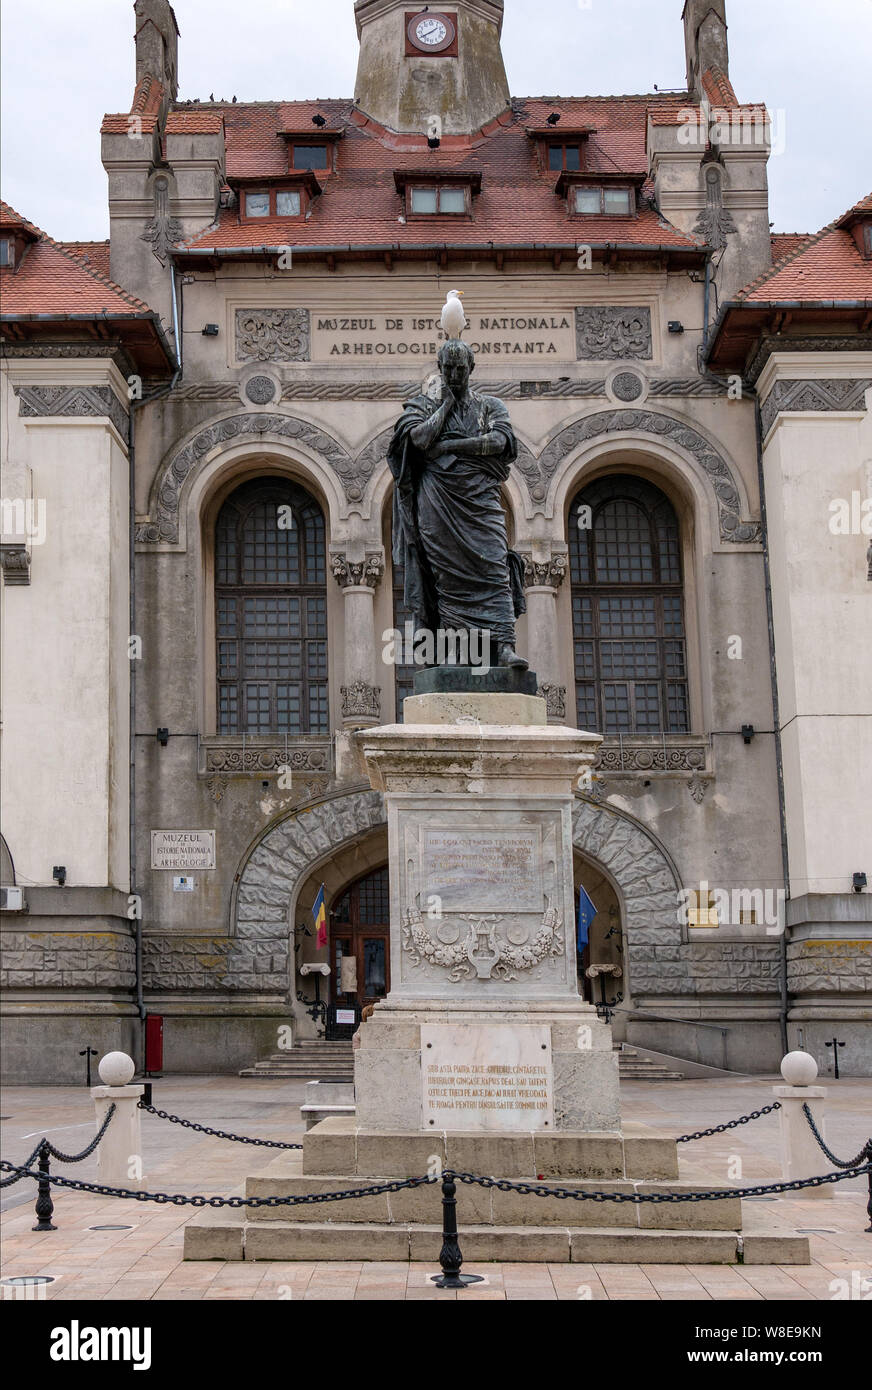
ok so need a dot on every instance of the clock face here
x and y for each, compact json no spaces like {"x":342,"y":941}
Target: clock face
{"x":432,"y":33}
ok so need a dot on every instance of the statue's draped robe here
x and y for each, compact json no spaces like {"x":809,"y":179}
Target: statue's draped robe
{"x":449,"y":525}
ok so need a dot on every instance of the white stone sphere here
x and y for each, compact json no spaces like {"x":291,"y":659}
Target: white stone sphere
{"x":116,"y":1069}
{"x":799,"y":1069}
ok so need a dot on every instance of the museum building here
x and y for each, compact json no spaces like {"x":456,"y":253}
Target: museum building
{"x":199,"y":603}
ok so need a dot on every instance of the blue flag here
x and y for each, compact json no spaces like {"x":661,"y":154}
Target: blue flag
{"x":586,"y":914}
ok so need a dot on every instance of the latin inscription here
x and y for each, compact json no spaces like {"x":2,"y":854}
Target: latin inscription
{"x":482,"y":870}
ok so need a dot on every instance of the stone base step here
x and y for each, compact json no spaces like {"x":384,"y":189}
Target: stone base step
{"x":632,"y":1067}
{"x":312,"y":1059}
{"x":317,"y":1071}
{"x":212,"y":1237}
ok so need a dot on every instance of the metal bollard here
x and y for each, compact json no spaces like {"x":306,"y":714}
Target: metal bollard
{"x":869,"y":1203}
{"x":450,"y":1256}
{"x":44,"y":1203}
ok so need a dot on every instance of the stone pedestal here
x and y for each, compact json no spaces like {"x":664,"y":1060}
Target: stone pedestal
{"x":484,"y":1030}
{"x":119,"y":1153}
{"x":801,"y":1155}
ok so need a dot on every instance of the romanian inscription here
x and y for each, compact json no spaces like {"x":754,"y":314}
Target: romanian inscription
{"x":183,"y":849}
{"x":490,"y":1077}
{"x":535,"y":336}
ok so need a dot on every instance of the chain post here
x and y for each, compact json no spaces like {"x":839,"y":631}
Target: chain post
{"x":869,"y":1176}
{"x":44,"y":1203}
{"x":450,"y":1256}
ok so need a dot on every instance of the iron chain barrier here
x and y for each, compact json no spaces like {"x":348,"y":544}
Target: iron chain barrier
{"x":731,"y":1124}
{"x":865,"y":1152}
{"x":49,"y":1148}
{"x":216,"y":1133}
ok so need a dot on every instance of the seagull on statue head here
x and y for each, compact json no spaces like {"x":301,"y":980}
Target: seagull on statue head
{"x":453,"y":317}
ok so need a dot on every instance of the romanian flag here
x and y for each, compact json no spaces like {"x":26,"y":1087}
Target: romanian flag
{"x":319,"y":914}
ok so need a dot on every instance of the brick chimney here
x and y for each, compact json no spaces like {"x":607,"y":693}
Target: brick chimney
{"x":705,"y":41}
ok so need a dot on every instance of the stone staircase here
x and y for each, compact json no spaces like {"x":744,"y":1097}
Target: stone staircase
{"x":632,"y":1067}
{"x":310,"y":1059}
{"x":494,"y":1225}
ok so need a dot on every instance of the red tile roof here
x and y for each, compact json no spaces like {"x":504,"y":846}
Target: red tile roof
{"x":12,"y":221}
{"x":827,"y":266}
{"x":52,"y":278}
{"x":93,"y":253}
{"x":785,"y":243}
{"x":718,"y":87}
{"x":517,"y":206}
{"x":194,"y":122}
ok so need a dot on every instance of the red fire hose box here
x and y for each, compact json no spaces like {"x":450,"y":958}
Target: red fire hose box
{"x":153,"y":1043}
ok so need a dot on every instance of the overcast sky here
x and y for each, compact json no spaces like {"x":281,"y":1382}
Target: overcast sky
{"x":66,"y":62}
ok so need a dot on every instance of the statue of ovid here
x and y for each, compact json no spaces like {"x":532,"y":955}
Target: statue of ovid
{"x":448,"y":458}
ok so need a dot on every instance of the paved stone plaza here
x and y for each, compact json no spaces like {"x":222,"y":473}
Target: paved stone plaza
{"x":146,"y":1261}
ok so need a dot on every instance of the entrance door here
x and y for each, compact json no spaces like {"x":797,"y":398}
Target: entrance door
{"x":360,"y":936}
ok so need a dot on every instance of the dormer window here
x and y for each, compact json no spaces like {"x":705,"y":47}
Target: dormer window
{"x":429,"y":193}
{"x":427,"y":202}
{"x":7,"y":251}
{"x":592,"y":200}
{"x":309,"y":157}
{"x":288,"y":197}
{"x":564,"y":157}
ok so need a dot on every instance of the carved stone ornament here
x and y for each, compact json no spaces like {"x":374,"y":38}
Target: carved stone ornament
{"x":353,"y":473}
{"x":260,"y":390}
{"x":162,"y":231}
{"x":698,"y":788}
{"x":555,"y":700}
{"x":626,"y":756}
{"x":547,"y":574}
{"x":217,"y":787}
{"x":273,"y":335}
{"x":791,"y":396}
{"x":235,"y":754}
{"x":365,"y":574}
{"x":538,"y":472}
{"x":483,"y":954}
{"x":628,"y":387}
{"x":78,"y":401}
{"x":715,"y":222}
{"x":604,"y":332}
{"x":15,"y":563}
{"x":361,"y":701}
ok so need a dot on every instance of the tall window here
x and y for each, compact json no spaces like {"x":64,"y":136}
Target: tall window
{"x":271,"y":611}
{"x":628,"y":609}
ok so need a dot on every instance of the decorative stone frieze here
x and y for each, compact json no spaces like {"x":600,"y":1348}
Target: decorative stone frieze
{"x":365,"y":574}
{"x":770,"y":343}
{"x":361,"y":701}
{"x":273,"y":335}
{"x":666,"y":755}
{"x":539,"y":472}
{"x":232,"y":754}
{"x":710,"y":967}
{"x":15,"y":563}
{"x":715,"y":222}
{"x":483,"y":953}
{"x":827,"y":395}
{"x":79,"y":401}
{"x":830,"y":967}
{"x":605,"y":332}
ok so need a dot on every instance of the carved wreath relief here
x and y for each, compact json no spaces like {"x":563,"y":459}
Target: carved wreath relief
{"x":483,"y":954}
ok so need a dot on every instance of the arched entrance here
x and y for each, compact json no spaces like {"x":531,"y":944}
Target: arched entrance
{"x":359,"y":941}
{"x":605,"y":945}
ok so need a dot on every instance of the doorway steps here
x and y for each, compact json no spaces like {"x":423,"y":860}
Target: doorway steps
{"x":633,"y":1067}
{"x":310,"y":1059}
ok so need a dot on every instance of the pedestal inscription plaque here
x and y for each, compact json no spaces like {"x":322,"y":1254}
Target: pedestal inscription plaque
{"x":483,"y":870}
{"x":487,"y":1079}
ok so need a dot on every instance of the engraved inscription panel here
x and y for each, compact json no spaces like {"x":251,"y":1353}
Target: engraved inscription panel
{"x":487,"y":1078}
{"x":498,"y":870}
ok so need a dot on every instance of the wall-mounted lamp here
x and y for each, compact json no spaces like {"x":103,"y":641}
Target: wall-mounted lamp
{"x":749,"y":733}
{"x":859,"y":883}
{"x":676,"y":327}
{"x":163,"y":737}
{"x":211,"y":330}
{"x":59,"y":874}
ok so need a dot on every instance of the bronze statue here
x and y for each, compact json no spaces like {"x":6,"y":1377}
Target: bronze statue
{"x":448,"y":459}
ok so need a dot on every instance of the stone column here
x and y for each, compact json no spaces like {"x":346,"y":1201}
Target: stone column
{"x":361,"y":695}
{"x":543,"y":580}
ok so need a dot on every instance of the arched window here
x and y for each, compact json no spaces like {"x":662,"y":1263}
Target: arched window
{"x":360,"y":928}
{"x":628,"y":609}
{"x":271,"y":611}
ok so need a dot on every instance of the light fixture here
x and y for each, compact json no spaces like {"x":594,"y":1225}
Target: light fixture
{"x":748,"y":732}
{"x":163,"y":737}
{"x":676,"y":327}
{"x":211,"y":330}
{"x":859,"y":882}
{"x":59,"y":874}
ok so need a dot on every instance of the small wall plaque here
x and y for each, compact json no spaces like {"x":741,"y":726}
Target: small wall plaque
{"x":183,"y":849}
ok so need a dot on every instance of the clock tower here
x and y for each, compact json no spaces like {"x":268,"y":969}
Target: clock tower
{"x":420,"y":61}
